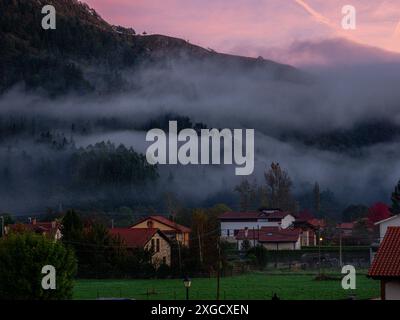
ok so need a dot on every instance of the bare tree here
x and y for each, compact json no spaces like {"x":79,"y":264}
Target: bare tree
{"x":279,"y":186}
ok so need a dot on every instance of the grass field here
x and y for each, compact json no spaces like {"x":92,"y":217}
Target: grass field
{"x":251,"y":286}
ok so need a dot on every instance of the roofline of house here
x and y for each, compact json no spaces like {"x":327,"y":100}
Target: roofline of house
{"x":387,"y":278}
{"x":162,"y":234}
{"x":387,"y":219}
{"x":154,"y":218}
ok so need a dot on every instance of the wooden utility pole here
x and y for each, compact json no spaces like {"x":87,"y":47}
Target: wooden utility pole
{"x":218,"y":267}
{"x":340,"y":248}
{"x":2,"y":226}
{"x":200,"y":251}
{"x":179,"y":256}
{"x":319,"y":251}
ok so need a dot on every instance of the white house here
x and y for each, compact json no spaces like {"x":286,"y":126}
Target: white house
{"x":384,"y":224}
{"x":231,"y":222}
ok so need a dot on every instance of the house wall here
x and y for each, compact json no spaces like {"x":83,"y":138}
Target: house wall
{"x":182,"y":238}
{"x":395,"y":222}
{"x":392,"y":290}
{"x":283,"y":245}
{"x":164,"y":251}
{"x":228,"y":227}
{"x":274,"y":246}
{"x":308,"y":238}
{"x":232,"y":226}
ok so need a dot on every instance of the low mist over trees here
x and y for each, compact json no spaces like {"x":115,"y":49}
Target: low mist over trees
{"x":101,"y":171}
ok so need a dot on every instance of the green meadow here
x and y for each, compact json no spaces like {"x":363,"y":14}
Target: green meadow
{"x":259,"y":286}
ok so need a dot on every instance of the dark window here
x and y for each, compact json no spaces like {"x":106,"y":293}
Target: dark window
{"x":158,"y":245}
{"x":164,"y":260}
{"x":152,"y":244}
{"x":149,"y":224}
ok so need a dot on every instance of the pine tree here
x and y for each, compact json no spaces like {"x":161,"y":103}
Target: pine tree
{"x":396,"y":199}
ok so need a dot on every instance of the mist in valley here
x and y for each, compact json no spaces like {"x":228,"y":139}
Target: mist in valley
{"x":296,"y":124}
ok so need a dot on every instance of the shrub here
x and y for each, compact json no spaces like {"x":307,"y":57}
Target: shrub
{"x":22,"y":257}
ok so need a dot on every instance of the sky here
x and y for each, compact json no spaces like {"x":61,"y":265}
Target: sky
{"x":248,"y":27}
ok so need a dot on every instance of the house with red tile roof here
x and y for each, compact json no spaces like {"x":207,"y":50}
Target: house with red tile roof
{"x":232,"y":222}
{"x":170,"y":228}
{"x":272,"y":238}
{"x":148,"y":239}
{"x":318,"y":223}
{"x":51,"y":229}
{"x":386,"y":265}
{"x":308,"y":232}
{"x":346,"y":228}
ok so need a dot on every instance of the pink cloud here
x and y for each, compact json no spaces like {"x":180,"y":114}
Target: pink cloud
{"x":229,"y":25}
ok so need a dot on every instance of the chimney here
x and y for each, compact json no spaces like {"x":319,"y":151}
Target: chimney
{"x":34,"y":221}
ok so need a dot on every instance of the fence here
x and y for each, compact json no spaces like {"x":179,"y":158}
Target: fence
{"x":305,"y":259}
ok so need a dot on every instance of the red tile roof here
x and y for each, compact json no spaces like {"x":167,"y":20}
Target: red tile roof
{"x":270,"y":234}
{"x":251,"y":215}
{"x":38,"y":227}
{"x":318,"y":223}
{"x":346,"y":225}
{"x":134,"y":238}
{"x":167,"y":222}
{"x":387,"y":260}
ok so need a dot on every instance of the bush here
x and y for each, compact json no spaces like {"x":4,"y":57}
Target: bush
{"x":260,"y":254}
{"x":22,"y":257}
{"x":163,"y":271}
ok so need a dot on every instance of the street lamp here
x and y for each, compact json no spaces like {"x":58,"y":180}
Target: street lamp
{"x":319,"y":251}
{"x":187,"y":283}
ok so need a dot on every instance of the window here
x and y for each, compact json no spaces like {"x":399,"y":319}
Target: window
{"x":164,"y":260}
{"x":149,"y":224}
{"x":158,"y":245}
{"x":152,"y":244}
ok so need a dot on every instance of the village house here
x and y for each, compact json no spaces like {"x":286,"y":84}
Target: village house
{"x":232,"y":222}
{"x":317,"y":223}
{"x":386,"y":265}
{"x":346,"y":229}
{"x":308,"y":232}
{"x":50,"y":229}
{"x":272,"y":238}
{"x":148,"y":239}
{"x":393,"y":221}
{"x":171,"y":229}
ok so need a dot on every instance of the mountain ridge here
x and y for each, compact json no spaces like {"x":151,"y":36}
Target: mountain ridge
{"x":82,"y":38}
